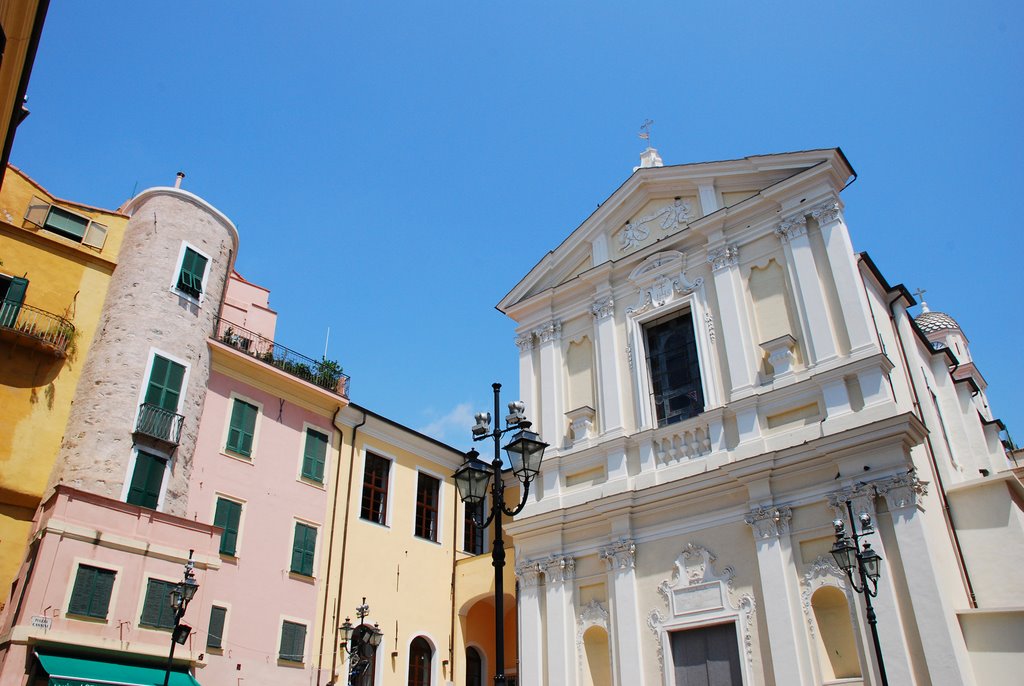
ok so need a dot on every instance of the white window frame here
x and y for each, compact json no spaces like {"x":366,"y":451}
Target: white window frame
{"x":153,"y":352}
{"x":177,"y":273}
{"x":440,"y":505}
{"x":320,"y":485}
{"x":219,"y":495}
{"x":305,"y":645}
{"x":389,"y":510}
{"x":251,"y":459}
{"x":77,"y":562}
{"x":127,"y":485}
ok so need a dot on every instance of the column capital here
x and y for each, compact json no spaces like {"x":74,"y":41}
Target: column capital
{"x":826,"y":212}
{"x":524,"y":341}
{"x":528,"y":572}
{"x":551,"y":331}
{"x":619,"y":555}
{"x":725,"y":256}
{"x":769,"y":521}
{"x":791,"y":227}
{"x":861,"y":497}
{"x":558,"y":568}
{"x":603,"y":307}
{"x":901,"y":491}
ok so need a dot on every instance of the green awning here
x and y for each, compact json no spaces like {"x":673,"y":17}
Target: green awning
{"x":74,"y":671}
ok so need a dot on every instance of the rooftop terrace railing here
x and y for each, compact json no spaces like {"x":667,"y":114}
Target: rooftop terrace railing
{"x":326,"y":374}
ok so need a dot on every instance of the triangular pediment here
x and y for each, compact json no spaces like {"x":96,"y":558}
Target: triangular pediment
{"x":657,"y":202}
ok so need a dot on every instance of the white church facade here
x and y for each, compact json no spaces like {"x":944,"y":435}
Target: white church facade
{"x":718,"y":373}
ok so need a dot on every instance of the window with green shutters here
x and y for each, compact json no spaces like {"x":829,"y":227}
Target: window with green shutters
{"x":164,"y":388}
{"x":156,"y":609}
{"x":90,"y":596}
{"x":227,"y":516}
{"x":303,"y":549}
{"x":242,"y":428}
{"x":190,"y":278}
{"x":147,"y":479}
{"x":314,"y":457}
{"x":215,"y":634}
{"x":293,"y":641}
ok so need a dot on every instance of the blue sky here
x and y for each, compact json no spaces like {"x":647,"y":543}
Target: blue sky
{"x":394,"y":168}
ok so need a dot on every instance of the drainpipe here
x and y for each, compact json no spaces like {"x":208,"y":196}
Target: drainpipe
{"x":330,"y":543}
{"x":947,"y":514}
{"x":451,"y":628}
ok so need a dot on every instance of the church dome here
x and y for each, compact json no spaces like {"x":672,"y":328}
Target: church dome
{"x":929,"y":322}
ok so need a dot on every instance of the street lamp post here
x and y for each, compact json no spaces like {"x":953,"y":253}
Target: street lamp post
{"x":847,"y":556}
{"x":525,"y":452}
{"x":183,"y":593}
{"x":360,"y":642}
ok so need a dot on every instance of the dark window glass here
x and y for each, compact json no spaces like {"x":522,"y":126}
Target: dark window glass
{"x":427,"y":488}
{"x":375,"y":489}
{"x":147,"y":479}
{"x":156,"y":609}
{"x":419,"y":662}
{"x":474,"y":538}
{"x":314,"y":456}
{"x":708,"y":656}
{"x":215,"y":634}
{"x":228,"y":516}
{"x":65,"y":223}
{"x":675,"y":369}
{"x":90,"y":596}
{"x":303,"y":549}
{"x":293,"y":642}
{"x":474,"y":668}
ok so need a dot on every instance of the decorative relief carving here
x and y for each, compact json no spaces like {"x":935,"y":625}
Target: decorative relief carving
{"x":654,"y":621}
{"x":791,"y":228}
{"x":603,"y":307}
{"x":861,"y":497}
{"x":551,"y":331}
{"x":592,"y":614}
{"x":709,"y":321}
{"x":726,"y":256}
{"x":902,"y":490}
{"x":661,"y":279}
{"x":826,"y":212}
{"x":768,"y":521}
{"x":822,"y":572}
{"x":629,"y":355}
{"x":619,"y":555}
{"x":558,"y":568}
{"x":528,"y":572}
{"x":524,"y":341}
{"x":635,"y":232}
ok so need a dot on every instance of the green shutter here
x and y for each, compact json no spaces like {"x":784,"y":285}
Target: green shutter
{"x":315,"y":455}
{"x":156,"y":609}
{"x":293,"y":641}
{"x":228,"y":515}
{"x":215,"y":634}
{"x":10,"y":306}
{"x":146,"y":480}
{"x":190,"y":279}
{"x":90,"y":596}
{"x":303,"y":549}
{"x":242,"y":427}
{"x":165,"y":379}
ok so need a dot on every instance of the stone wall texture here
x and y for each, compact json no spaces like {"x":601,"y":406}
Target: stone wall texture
{"x":144,"y":314}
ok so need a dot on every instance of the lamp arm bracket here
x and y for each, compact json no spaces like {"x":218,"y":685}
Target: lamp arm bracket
{"x":522,"y":502}
{"x":483,"y":524}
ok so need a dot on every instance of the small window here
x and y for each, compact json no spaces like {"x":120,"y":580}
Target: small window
{"x":227,"y":516}
{"x":474,"y":537}
{"x":242,"y":428}
{"x":375,"y":489}
{"x":420,"y":656}
{"x":427,"y":488}
{"x":675,"y":369}
{"x":147,"y":480}
{"x":293,"y":642}
{"x":66,"y":223}
{"x":215,"y":634}
{"x":90,"y":596}
{"x":314,"y":456}
{"x":157,"y":612}
{"x":303,"y":549}
{"x":190,"y":278}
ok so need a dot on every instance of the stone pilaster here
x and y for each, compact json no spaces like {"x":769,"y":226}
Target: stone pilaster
{"x":559,"y":573}
{"x":531,"y":647}
{"x":620,"y":558}
{"x":736,"y":333}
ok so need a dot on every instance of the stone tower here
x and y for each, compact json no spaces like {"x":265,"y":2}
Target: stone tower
{"x":132,"y":429}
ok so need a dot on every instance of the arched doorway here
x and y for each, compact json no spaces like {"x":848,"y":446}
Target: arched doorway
{"x":420,"y":658}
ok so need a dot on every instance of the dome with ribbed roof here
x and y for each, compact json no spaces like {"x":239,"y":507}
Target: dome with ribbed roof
{"x":935,"y":321}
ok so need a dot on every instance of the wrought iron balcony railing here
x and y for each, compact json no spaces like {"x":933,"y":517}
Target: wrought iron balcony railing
{"x":326,"y":374}
{"x":55,"y":333}
{"x":156,"y":422}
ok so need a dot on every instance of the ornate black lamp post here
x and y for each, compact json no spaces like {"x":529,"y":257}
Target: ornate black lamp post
{"x":525,"y":452}
{"x":183,"y":593}
{"x":360,"y":642}
{"x":845,"y":552}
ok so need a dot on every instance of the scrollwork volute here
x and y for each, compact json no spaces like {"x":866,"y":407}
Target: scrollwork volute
{"x":826,"y":212}
{"x":524,"y":341}
{"x":726,"y":256}
{"x":620,"y":555}
{"x":528,"y":572}
{"x":558,"y":569}
{"x":551,"y":331}
{"x":769,"y":521}
{"x":791,"y":227}
{"x":603,"y":307}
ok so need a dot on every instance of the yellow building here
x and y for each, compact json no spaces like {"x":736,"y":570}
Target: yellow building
{"x":56,"y":258}
{"x":21,"y":24}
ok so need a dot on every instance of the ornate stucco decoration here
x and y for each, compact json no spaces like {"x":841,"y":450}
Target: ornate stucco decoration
{"x":769,"y":521}
{"x":826,"y":212}
{"x":791,"y":227}
{"x":709,"y":321}
{"x":528,"y":572}
{"x":660,"y":280}
{"x":673,"y":216}
{"x":592,"y":614}
{"x":861,"y":497}
{"x":698,"y":595}
{"x":551,"y":331}
{"x":603,"y":307}
{"x":558,"y":568}
{"x":524,"y":341}
{"x":726,"y":256}
{"x":823,"y":572}
{"x":619,"y":555}
{"x":902,"y":490}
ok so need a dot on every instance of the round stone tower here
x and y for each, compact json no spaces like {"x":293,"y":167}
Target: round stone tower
{"x":132,"y":430}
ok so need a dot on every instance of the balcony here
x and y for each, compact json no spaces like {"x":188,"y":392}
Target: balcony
{"x":41,"y":329}
{"x":158,"y":423}
{"x":326,"y":374}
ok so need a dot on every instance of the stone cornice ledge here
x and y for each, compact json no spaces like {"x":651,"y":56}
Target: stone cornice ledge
{"x":126,"y":544}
